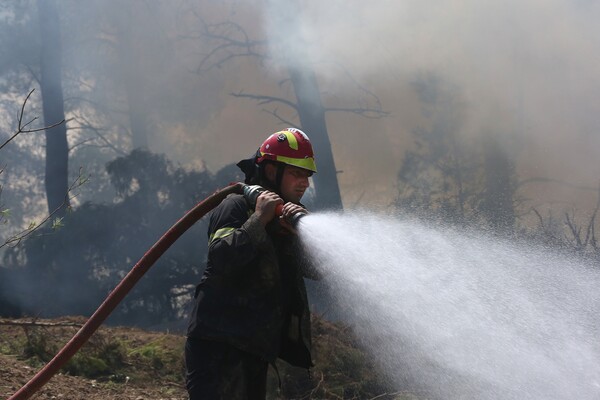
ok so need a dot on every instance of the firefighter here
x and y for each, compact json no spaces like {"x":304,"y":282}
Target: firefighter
{"x":251,"y":305}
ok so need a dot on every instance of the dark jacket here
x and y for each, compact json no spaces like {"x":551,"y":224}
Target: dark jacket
{"x":252,"y":294}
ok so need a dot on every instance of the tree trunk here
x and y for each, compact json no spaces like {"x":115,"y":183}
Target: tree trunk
{"x":312,"y":120}
{"x":57,"y":148}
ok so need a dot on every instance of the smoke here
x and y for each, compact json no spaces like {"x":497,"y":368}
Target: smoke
{"x":526,"y":71}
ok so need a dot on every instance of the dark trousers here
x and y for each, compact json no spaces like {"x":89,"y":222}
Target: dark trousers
{"x":220,"y":371}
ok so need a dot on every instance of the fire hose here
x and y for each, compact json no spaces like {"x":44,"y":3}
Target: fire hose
{"x":139,"y":269}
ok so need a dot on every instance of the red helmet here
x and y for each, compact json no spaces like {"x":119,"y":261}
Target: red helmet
{"x":291,"y":147}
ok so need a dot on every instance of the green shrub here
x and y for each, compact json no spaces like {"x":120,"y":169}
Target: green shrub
{"x":37,"y":348}
{"x":104,"y":360}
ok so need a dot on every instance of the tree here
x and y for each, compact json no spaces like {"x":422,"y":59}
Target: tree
{"x":57,"y":148}
{"x":311,"y":114}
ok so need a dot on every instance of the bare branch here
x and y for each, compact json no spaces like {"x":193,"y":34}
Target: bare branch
{"x":7,"y":322}
{"x":373,"y":113}
{"x":574,"y":231}
{"x":593,"y":241}
{"x":591,"y":226}
{"x":228,"y":46}
{"x":539,"y":217}
{"x":34,"y":74}
{"x":589,"y":230}
{"x":263,"y":99}
{"x":88,"y":125}
{"x":22,"y":126}
{"x":281,"y":119}
{"x":368,"y":98}
{"x":310,"y":394}
{"x":81,"y":143}
{"x":79,"y":181}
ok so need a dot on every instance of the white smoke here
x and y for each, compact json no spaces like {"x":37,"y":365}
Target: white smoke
{"x":527,"y":70}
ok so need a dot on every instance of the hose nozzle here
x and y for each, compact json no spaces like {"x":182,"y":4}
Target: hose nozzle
{"x":295,"y":219}
{"x":251,"y":193}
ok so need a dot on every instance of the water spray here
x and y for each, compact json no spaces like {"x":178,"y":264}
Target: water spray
{"x":459,"y":314}
{"x":124,"y":287}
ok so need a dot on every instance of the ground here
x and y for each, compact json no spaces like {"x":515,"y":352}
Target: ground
{"x":142,"y":373}
{"x":128,"y":363}
{"x":14,"y":374}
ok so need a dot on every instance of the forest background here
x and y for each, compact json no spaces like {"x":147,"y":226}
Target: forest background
{"x":465,"y":113}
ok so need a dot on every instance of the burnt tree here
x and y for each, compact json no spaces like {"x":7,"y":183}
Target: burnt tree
{"x":57,"y":149}
{"x":312,"y":118}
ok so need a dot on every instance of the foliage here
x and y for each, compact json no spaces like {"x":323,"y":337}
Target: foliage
{"x":72,"y":269}
{"x":112,"y":354}
{"x":101,"y":356}
{"x":162,"y":357}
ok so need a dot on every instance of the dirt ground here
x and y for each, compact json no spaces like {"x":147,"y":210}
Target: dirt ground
{"x":15,"y":372}
{"x":150,"y":364}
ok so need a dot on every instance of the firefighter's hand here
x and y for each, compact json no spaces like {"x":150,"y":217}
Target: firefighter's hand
{"x":265,"y":206}
{"x":290,"y":209}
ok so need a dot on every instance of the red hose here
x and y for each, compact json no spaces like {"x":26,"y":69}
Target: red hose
{"x":119,"y":292}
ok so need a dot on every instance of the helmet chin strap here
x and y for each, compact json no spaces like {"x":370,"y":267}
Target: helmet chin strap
{"x":279,"y":176}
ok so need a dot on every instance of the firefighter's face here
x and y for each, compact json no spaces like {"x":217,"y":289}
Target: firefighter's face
{"x":293,"y":183}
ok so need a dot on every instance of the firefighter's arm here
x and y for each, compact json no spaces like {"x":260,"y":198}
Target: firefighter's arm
{"x":236,"y":239}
